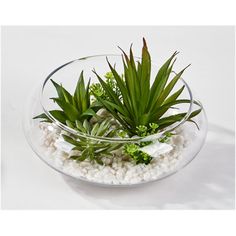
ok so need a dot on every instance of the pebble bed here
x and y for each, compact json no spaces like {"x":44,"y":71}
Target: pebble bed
{"x":116,"y":170}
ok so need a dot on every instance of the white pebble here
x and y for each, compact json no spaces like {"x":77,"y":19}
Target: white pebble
{"x":115,"y":170}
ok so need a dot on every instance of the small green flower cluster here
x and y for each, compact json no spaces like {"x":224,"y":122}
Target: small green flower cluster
{"x":143,"y":130}
{"x":134,"y":149}
{"x":137,"y":155}
{"x":97,"y":89}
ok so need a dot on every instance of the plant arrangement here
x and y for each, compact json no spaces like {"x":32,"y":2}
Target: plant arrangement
{"x":121,"y":105}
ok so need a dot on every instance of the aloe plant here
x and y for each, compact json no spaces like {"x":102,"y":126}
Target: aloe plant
{"x":75,"y":107}
{"x":141,"y":102}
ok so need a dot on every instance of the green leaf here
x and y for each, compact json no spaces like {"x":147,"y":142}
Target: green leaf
{"x":41,"y":116}
{"x":59,"y":90}
{"x":133,"y":87}
{"x":112,"y":95}
{"x":111,"y":110}
{"x":144,"y":119}
{"x":87,"y":126}
{"x":174,"y":96}
{"x":95,"y":129}
{"x":103,"y":127}
{"x":145,"y":76}
{"x":121,"y":86}
{"x":63,"y":94}
{"x":164,"y":108}
{"x":67,"y":96}
{"x":47,"y":121}
{"x":194,"y":123}
{"x":80,"y":126}
{"x":81,"y":94}
{"x":170,"y":86}
{"x":89,"y":112}
{"x":87,"y":94}
{"x":70,"y":124}
{"x":59,"y":115}
{"x":114,"y":147}
{"x":167,"y":121}
{"x":70,"y":140}
{"x":160,"y":81}
{"x":83,"y":156}
{"x":70,"y":111}
{"x":194,"y":113}
{"x":117,"y":107}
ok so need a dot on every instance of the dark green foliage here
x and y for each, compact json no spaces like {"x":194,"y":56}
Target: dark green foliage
{"x":90,"y":148}
{"x":138,"y":156}
{"x":73,"y":107}
{"x":139,"y":102}
{"x":133,"y":149}
{"x":136,"y":104}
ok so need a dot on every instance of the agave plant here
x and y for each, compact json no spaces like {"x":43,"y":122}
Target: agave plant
{"x":140,"y":102}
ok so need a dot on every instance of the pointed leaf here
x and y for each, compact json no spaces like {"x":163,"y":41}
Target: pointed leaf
{"x":174,"y":96}
{"x":41,"y":116}
{"x":160,"y":81}
{"x":69,"y":109}
{"x":95,"y":129}
{"x":80,"y":126}
{"x":59,"y":115}
{"x":87,"y":126}
{"x":70,"y":140}
{"x":170,"y":86}
{"x":89,"y":112}
{"x":70,"y":124}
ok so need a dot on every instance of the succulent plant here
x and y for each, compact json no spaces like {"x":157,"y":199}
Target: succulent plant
{"x":92,"y":148}
{"x":141,"y":102}
{"x":75,"y":107}
{"x":76,"y":111}
{"x":137,"y":106}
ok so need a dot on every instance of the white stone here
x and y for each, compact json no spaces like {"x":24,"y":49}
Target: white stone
{"x":156,"y":149}
{"x":62,"y":145}
{"x":146,"y":176}
{"x":115,"y":170}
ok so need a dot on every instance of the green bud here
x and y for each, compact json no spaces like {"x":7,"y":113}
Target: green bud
{"x":109,"y":75}
{"x":96,"y":89}
{"x":153,"y":126}
{"x":131,"y":148}
{"x":141,"y":130}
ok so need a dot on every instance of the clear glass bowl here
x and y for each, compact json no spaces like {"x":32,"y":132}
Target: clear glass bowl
{"x":46,"y":141}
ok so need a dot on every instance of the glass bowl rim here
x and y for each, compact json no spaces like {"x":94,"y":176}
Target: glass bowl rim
{"x":101,"y":138}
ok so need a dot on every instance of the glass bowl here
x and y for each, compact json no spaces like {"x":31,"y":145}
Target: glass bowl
{"x":117,"y":169}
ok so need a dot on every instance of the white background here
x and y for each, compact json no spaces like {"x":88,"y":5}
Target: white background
{"x":30,"y":53}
